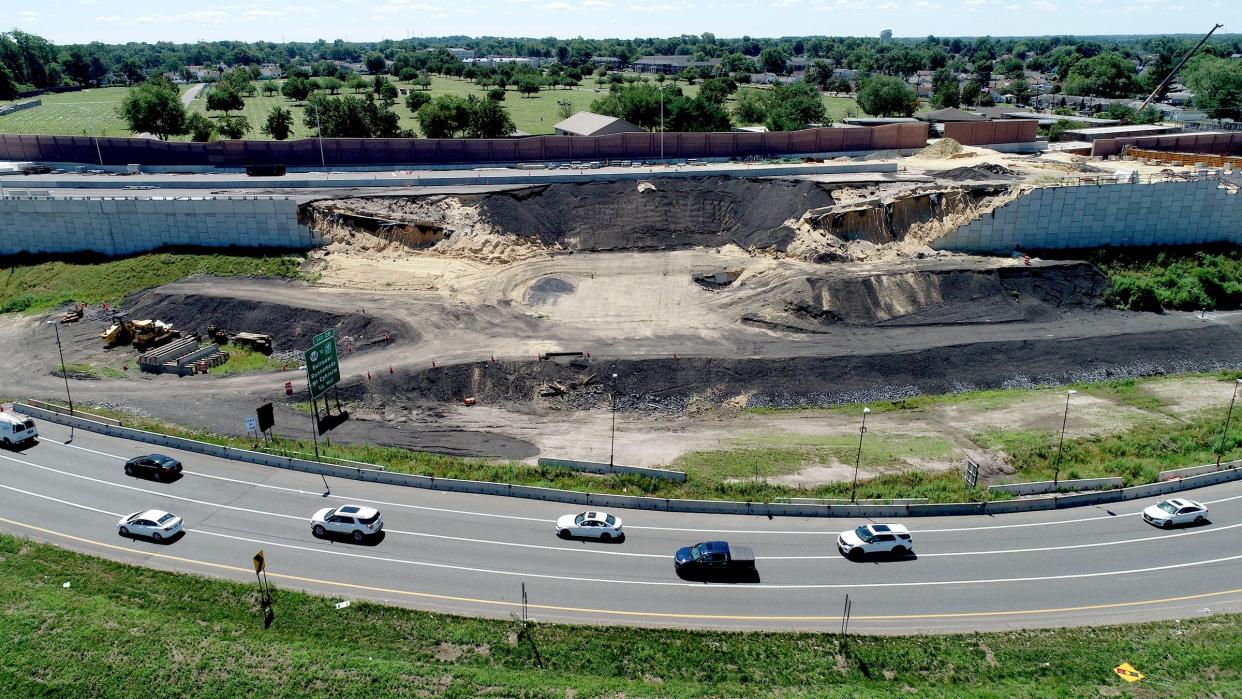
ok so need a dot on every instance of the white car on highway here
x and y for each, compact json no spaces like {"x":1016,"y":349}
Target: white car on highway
{"x":1174,"y":511}
{"x":354,"y":521}
{"x":153,"y":524}
{"x":590,"y":525}
{"x":875,"y":538}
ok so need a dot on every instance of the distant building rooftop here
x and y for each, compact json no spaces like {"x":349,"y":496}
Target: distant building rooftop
{"x":949,"y":114}
{"x":1118,"y":132}
{"x":1049,"y":119}
{"x":592,"y":124}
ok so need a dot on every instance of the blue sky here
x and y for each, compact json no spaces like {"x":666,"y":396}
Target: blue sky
{"x":117,"y":21}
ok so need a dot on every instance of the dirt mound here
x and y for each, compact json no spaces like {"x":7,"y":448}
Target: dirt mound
{"x":942,"y":149}
{"x":987,"y":172}
{"x":291,"y":328}
{"x":675,"y":385}
{"x":808,"y":303}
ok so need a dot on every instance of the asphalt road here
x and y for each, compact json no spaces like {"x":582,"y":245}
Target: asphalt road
{"x":470,"y":554}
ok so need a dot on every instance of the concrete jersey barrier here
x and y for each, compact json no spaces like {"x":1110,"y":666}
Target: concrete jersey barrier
{"x":1041,"y":487}
{"x":602,"y":501}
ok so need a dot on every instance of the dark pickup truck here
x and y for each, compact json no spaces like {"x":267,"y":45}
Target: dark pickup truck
{"x":714,"y":557}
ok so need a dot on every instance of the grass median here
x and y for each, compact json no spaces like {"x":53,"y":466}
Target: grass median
{"x":745,"y":471}
{"x":124,"y":631}
{"x":42,"y":286}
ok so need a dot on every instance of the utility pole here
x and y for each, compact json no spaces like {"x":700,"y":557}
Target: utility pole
{"x":858,"y":459}
{"x":612,"y":446}
{"x":1228,"y":416}
{"x":1056,"y":476}
{"x":64,"y":374}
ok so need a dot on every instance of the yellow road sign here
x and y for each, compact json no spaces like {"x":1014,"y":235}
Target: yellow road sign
{"x":1127,"y":672}
{"x":259,"y":562}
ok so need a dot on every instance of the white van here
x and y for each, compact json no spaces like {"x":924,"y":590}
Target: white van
{"x":16,"y":429}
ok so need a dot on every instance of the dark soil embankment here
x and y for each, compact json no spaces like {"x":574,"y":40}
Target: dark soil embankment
{"x":291,"y":327}
{"x":675,"y":385}
{"x":930,"y":297}
{"x":662,"y":214}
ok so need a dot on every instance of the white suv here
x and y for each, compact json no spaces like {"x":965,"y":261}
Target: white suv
{"x":349,"y":520}
{"x":892,"y":539}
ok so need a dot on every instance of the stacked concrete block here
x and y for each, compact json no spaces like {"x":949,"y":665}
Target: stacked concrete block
{"x":124,"y":226}
{"x":1087,"y":216}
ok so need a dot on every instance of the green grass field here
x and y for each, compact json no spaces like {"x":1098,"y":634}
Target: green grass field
{"x":123,"y":631}
{"x":94,"y":112}
{"x":90,"y":112}
{"x":37,"y":288}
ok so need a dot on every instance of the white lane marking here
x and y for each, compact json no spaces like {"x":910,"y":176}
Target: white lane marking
{"x":558,"y":549}
{"x":58,"y":500}
{"x":802,"y":532}
{"x":660,"y":583}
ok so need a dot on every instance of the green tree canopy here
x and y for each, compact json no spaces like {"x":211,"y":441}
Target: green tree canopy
{"x":223,"y":98}
{"x":154,"y":106}
{"x":415,"y":100}
{"x":488,"y":119}
{"x":200,"y":128}
{"x":446,"y":116}
{"x":887,"y":96}
{"x":1217,"y":84}
{"x":234,"y":126}
{"x":279,"y":123}
{"x":792,"y":106}
{"x":1106,"y":75}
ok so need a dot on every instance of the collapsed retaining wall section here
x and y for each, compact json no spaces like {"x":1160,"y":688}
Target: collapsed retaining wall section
{"x":1105,"y":215}
{"x":603,"y":501}
{"x":115,"y":226}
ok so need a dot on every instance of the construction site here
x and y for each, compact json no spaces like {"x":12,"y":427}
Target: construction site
{"x":492,"y":323}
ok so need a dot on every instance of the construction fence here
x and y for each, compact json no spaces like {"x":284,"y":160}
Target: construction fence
{"x":458,"y":151}
{"x":982,"y":133}
{"x":1207,"y":143}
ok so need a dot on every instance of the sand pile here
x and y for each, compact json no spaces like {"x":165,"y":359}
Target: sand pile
{"x":945,"y":148}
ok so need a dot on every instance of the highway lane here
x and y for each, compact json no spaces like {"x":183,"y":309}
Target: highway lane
{"x":470,"y":554}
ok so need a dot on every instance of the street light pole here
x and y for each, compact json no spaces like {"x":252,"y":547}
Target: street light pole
{"x":661,"y":88}
{"x":1056,"y":476}
{"x":64,"y":373}
{"x":1228,"y":416}
{"x":858,"y":459}
{"x":319,"y":129}
{"x":612,"y":443}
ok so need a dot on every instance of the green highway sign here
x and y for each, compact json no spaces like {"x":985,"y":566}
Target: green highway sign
{"x":322,"y":371}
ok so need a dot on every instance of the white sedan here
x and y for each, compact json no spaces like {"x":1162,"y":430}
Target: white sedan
{"x":589,"y":525}
{"x":1175,"y":511}
{"x":153,"y":524}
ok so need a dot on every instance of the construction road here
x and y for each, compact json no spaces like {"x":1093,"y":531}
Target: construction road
{"x":470,"y":554}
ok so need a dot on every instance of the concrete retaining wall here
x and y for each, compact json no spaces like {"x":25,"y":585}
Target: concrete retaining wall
{"x":614,"y":469}
{"x":125,"y":226}
{"x":602,"y":501}
{"x":1041,"y":487}
{"x":1088,"y":216}
{"x":11,"y":108}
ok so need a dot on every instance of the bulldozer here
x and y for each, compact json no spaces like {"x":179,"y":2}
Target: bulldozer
{"x":144,"y":334}
{"x":74,"y":315}
{"x":256,"y":341}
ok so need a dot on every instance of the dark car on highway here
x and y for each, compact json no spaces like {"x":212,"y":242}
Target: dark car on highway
{"x":156,"y":466}
{"x":714,"y":558}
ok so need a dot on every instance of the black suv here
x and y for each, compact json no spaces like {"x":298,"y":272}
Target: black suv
{"x":156,"y":466}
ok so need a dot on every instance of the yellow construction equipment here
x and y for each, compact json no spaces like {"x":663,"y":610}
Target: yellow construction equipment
{"x":144,"y":334}
{"x":74,"y":315}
